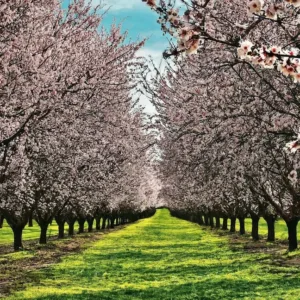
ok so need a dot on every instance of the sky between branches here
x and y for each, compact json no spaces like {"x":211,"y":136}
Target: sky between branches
{"x":140,"y":22}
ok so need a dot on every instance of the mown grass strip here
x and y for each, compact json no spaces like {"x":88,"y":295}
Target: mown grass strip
{"x":164,"y":258}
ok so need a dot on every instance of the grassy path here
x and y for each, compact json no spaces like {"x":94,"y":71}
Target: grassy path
{"x":33,"y":233}
{"x":164,"y":258}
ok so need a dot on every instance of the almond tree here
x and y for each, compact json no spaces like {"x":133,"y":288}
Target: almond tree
{"x":73,"y":142}
{"x":217,"y":129}
{"x":36,"y":73}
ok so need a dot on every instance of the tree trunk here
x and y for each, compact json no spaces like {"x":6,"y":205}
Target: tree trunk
{"x":61,"y":226}
{"x":107,"y":223}
{"x":71,"y":227}
{"x":103,"y":223}
{"x":292,"y":231}
{"x":255,"y":226}
{"x":18,"y":230}
{"x":112,"y":223}
{"x":242,"y":225}
{"x":232,"y":224}
{"x":61,"y":230}
{"x":218,"y":222}
{"x":43,"y":234}
{"x":81,"y":222}
{"x":1,"y":221}
{"x":225,"y":223}
{"x":206,"y":220}
{"x":211,"y":221}
{"x":200,"y":220}
{"x":271,"y":228}
{"x":30,"y":220}
{"x":90,"y":224}
{"x":98,"y":219}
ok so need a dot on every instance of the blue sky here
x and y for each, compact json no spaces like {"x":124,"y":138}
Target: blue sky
{"x":138,"y":19}
{"x":140,"y":22}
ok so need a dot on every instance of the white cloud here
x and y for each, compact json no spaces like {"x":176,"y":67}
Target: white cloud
{"x":148,"y":107}
{"x":156,"y":57}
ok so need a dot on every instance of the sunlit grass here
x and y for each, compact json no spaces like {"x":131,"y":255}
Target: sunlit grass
{"x":281,"y":231}
{"x":164,"y":258}
{"x":29,"y":233}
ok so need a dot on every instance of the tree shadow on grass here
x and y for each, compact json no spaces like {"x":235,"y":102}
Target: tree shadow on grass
{"x":205,"y":281}
{"x":155,"y":263}
{"x":204,"y":290}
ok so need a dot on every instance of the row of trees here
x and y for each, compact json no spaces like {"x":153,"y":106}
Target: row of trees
{"x":226,"y":113}
{"x":73,"y":144}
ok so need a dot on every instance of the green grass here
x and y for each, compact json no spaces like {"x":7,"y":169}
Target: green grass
{"x":281,"y":231}
{"x":29,"y":233}
{"x":164,"y":258}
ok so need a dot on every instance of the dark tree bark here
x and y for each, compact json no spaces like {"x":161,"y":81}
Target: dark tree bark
{"x":98,"y":219}
{"x":200,"y":220}
{"x":43,"y":234}
{"x":61,"y":230}
{"x":61,"y":226}
{"x":211,"y":221}
{"x":242,"y":225}
{"x":232,"y":224}
{"x":90,"y":224}
{"x":30,"y":220}
{"x":206,"y":220}
{"x":271,"y":227}
{"x":112,"y":222}
{"x":81,"y":222}
{"x":71,"y":224}
{"x":255,"y":226}
{"x":218,"y":222}
{"x":18,"y":231}
{"x":225,"y":223}
{"x":17,"y":227}
{"x":1,"y":221}
{"x":292,"y":231}
{"x":103,"y":223}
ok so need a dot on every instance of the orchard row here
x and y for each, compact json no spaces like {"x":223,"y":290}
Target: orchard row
{"x":228,"y":108}
{"x":73,"y":143}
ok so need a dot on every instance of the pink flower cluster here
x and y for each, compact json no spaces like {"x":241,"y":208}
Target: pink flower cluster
{"x":286,"y":61}
{"x":293,"y":146}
